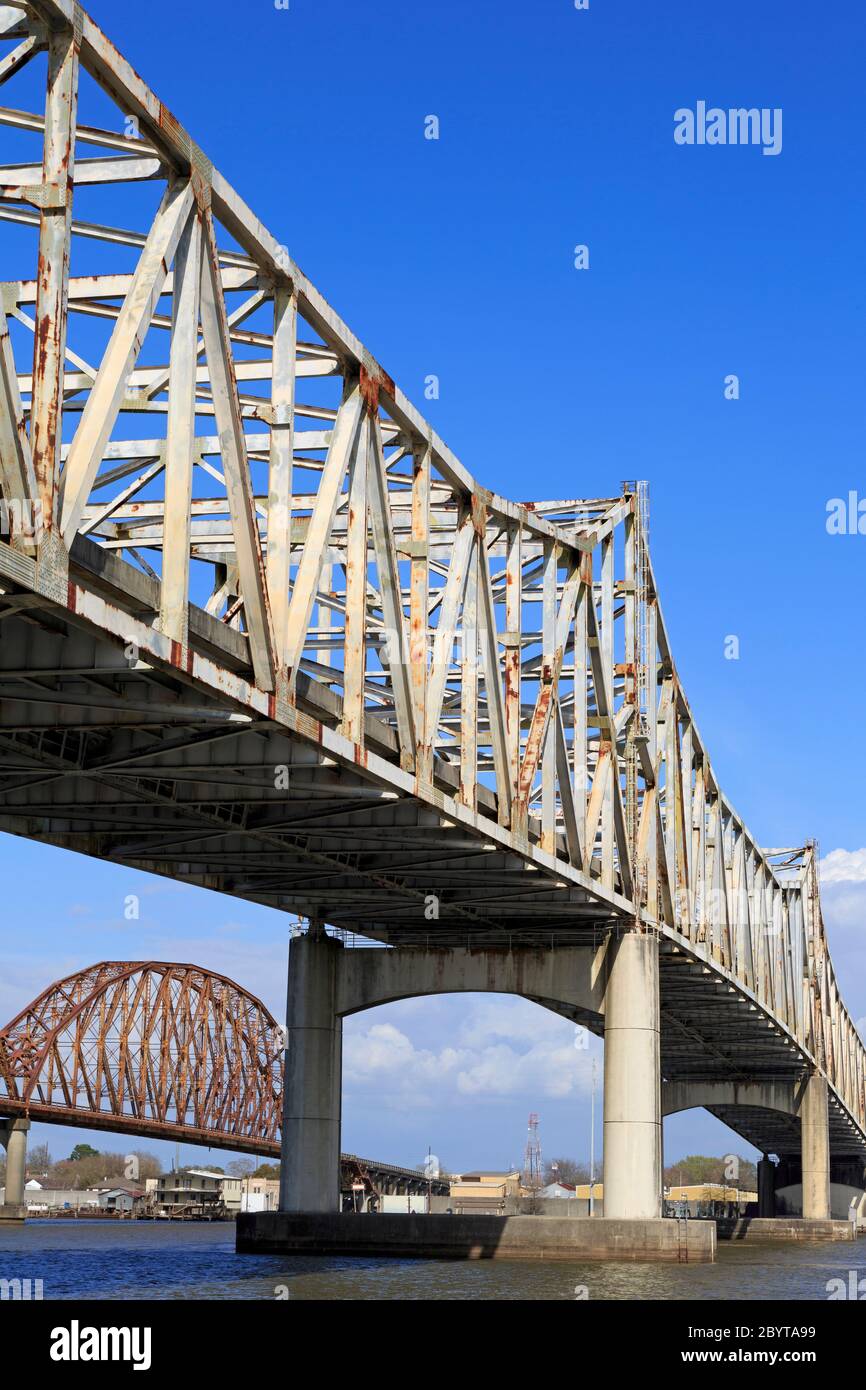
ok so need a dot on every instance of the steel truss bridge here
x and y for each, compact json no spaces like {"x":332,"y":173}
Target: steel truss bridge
{"x":162,"y":1050}
{"x":165,"y":1051}
{"x":262,"y":631}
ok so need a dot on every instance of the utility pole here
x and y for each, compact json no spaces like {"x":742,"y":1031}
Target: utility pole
{"x":592,"y":1138}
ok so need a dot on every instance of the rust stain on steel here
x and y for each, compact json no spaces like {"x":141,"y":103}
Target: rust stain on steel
{"x":478,"y":504}
{"x":370,"y":384}
{"x":44,"y":324}
{"x":369,"y":387}
{"x":512,"y":685}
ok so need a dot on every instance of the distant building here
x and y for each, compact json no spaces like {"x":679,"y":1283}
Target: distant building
{"x":484,"y":1193}
{"x":581,"y":1189}
{"x":231,"y":1188}
{"x":124,"y":1199}
{"x":558,"y":1189}
{"x":260,"y":1194}
{"x":42,"y":1197}
{"x":710,"y":1192}
{"x":188,"y":1194}
{"x":197,"y":1192}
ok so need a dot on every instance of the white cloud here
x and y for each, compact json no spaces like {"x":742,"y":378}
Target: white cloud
{"x":844,"y":905}
{"x":384,"y":1061}
{"x":505,"y":1048}
{"x":844,"y":866}
{"x":518,"y":1020}
{"x":552,"y":1071}
{"x":383,"y":1052}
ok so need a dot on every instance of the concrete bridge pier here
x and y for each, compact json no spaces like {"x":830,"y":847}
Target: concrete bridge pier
{"x":310,"y":1155}
{"x":632,"y":1080}
{"x":815,"y":1148}
{"x":327,"y":982}
{"x":13,"y":1136}
{"x":612,"y":984}
{"x":766,"y":1187}
{"x":806,"y":1101}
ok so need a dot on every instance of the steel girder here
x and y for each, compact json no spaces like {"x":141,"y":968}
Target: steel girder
{"x":262,"y":630}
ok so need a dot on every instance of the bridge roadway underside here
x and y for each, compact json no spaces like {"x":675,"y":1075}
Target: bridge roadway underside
{"x":135,"y":762}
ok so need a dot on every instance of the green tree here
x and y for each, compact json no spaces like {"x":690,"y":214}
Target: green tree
{"x":698,"y":1169}
{"x":82,"y":1151}
{"x":90,"y":1171}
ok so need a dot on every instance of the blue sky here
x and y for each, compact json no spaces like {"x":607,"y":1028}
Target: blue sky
{"x":455,"y":257}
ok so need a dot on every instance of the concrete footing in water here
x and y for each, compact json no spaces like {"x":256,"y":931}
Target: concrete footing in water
{"x":771,"y":1228}
{"x":12,"y":1213}
{"x":476,"y":1237}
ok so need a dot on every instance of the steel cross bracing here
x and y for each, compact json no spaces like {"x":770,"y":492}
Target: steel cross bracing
{"x":262,"y":630}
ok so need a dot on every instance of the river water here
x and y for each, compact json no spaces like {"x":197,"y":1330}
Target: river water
{"x":138,"y":1259}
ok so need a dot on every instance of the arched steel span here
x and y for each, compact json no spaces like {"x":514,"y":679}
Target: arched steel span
{"x":152,"y":1048}
{"x":263,"y":630}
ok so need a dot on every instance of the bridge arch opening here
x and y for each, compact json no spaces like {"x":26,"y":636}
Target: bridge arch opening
{"x":456,"y":1073}
{"x":611,"y":986}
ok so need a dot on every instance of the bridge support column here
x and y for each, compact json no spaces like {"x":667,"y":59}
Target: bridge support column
{"x":310,"y":1157}
{"x":766,"y":1187}
{"x":632,"y":1081}
{"x":13,"y":1136}
{"x":815,"y":1148}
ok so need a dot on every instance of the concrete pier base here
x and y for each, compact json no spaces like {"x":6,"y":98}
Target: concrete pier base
{"x":476,"y":1237}
{"x":784,"y":1228}
{"x":13,"y":1136}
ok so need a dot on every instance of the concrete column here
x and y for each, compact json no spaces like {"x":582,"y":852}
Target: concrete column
{"x":310,"y":1155}
{"x":13,"y":1135}
{"x":815,"y":1147}
{"x":632,"y":1080}
{"x":766,"y":1187}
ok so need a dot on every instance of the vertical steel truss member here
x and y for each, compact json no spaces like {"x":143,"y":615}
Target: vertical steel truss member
{"x":475,"y":701}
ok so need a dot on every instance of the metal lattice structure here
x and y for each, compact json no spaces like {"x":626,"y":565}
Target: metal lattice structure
{"x":263,"y":631}
{"x":533,"y":1173}
{"x":146,"y":1047}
